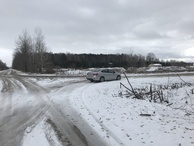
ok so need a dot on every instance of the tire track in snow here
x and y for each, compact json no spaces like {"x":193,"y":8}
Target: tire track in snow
{"x":58,"y":117}
{"x":116,"y":140}
{"x":75,"y":119}
{"x":13,"y":124}
{"x":7,"y":112}
{"x":12,"y":127}
{"x":11,"y":133}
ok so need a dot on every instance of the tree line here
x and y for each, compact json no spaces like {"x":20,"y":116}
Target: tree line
{"x":31,"y":55}
{"x":68,"y":60}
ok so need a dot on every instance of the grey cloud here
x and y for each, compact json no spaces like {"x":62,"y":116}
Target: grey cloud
{"x":105,"y":25}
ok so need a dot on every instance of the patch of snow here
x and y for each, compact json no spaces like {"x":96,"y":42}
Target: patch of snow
{"x":152,"y":69}
{"x":35,"y":136}
{"x":56,"y":83}
{"x":40,"y":135}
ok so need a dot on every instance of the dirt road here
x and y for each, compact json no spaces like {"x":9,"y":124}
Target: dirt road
{"x":24,"y":103}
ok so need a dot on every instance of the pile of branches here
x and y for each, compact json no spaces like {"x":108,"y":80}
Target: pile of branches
{"x":152,"y":92}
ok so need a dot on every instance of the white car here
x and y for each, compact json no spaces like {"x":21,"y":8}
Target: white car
{"x":103,"y":75}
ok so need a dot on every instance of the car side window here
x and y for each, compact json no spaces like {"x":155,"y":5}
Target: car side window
{"x":111,"y":71}
{"x":104,"y":71}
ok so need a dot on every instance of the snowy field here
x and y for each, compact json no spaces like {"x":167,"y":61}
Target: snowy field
{"x":116,"y":119}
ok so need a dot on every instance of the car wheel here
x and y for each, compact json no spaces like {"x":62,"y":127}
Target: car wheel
{"x":102,"y":79}
{"x":118,"y":77}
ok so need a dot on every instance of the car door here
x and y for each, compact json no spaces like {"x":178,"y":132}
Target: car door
{"x":112,"y":75}
{"x":105,"y":74}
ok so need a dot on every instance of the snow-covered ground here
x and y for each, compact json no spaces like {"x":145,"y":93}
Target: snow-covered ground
{"x":97,"y":112}
{"x":117,"y":119}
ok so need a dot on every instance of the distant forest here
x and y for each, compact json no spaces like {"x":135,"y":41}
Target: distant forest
{"x":82,"y":61}
{"x":31,"y":55}
{"x":69,"y":60}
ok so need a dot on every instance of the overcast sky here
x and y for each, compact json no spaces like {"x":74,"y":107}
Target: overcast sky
{"x":164,"y":27}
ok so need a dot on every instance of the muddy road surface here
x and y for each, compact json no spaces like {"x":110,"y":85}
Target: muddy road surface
{"x":24,"y":103}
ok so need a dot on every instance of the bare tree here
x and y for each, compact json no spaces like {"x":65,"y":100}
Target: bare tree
{"x":30,"y":54}
{"x":23,"y":52}
{"x":40,"y":50}
{"x":151,"y":57}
